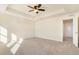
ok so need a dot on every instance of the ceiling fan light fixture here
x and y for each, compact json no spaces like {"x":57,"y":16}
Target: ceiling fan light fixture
{"x":35,"y":10}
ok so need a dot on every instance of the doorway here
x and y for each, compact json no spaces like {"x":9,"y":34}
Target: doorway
{"x":68,"y":30}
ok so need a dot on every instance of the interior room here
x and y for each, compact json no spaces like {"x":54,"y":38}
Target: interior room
{"x":39,"y":29}
{"x":68,"y":30}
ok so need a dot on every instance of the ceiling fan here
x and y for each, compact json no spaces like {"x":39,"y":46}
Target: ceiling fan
{"x":36,"y":8}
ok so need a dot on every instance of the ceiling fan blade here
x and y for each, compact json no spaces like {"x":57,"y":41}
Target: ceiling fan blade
{"x":39,"y":5}
{"x":30,"y":7}
{"x":31,"y":10}
{"x":35,"y":7}
{"x":41,"y":9}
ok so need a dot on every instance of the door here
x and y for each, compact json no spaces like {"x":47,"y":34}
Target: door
{"x":75,"y":31}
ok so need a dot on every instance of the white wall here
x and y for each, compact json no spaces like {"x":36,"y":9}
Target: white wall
{"x":21,"y":27}
{"x":50,"y":28}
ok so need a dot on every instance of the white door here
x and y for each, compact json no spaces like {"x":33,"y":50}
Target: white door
{"x":75,"y":31}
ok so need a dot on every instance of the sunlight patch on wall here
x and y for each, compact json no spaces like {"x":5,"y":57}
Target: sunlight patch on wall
{"x":3,"y":35}
{"x":13,"y":40}
{"x":16,"y":46}
{"x":14,"y":43}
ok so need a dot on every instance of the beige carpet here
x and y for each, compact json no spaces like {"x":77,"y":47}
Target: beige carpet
{"x":37,"y":46}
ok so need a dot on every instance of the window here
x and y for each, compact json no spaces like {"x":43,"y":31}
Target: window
{"x":3,"y":35}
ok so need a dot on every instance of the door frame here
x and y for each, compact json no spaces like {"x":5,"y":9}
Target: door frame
{"x":75,"y":29}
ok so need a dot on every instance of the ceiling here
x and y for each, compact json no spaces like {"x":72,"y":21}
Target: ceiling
{"x":51,"y":9}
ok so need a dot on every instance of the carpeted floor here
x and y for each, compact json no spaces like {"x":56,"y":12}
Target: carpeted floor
{"x":37,"y":46}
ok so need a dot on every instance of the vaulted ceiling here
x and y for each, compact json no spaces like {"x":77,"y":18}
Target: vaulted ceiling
{"x":51,"y":9}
